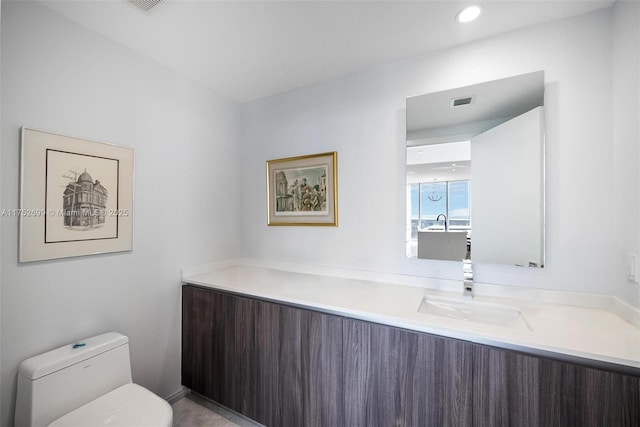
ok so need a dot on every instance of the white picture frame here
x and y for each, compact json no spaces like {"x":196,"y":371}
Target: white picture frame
{"x":76,"y":197}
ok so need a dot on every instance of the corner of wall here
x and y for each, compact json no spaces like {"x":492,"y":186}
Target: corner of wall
{"x":0,"y":199}
{"x":625,"y":35}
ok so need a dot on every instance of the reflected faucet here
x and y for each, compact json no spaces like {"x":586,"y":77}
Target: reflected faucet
{"x":446,"y":226}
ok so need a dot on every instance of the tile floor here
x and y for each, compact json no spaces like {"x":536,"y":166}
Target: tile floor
{"x":194,"y":411}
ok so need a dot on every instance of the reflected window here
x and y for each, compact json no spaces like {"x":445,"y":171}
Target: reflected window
{"x":428,"y":201}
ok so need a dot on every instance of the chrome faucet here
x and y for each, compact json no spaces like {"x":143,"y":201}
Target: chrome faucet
{"x":467,"y":283}
{"x":446,"y":227}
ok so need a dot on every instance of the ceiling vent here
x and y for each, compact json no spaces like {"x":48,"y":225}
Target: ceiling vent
{"x":461,"y":102}
{"x":144,"y":5}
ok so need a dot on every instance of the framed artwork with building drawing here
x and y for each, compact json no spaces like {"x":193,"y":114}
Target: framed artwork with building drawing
{"x":303,"y":190}
{"x":76,"y":197}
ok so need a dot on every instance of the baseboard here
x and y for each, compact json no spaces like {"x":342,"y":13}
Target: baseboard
{"x":183,"y":392}
{"x":227,"y":413}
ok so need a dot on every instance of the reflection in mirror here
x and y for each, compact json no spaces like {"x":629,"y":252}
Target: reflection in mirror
{"x":438,"y":195}
{"x":475,"y":173}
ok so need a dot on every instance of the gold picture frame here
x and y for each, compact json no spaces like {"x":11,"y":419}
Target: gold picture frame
{"x":76,"y":197}
{"x":303,"y":190}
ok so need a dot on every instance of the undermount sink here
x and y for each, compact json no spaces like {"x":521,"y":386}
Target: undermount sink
{"x":474,"y":311}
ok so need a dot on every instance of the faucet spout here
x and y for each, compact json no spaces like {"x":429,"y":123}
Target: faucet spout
{"x":467,"y":284}
{"x":446,"y":226}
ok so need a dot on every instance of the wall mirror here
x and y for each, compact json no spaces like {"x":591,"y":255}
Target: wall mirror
{"x":475,"y":173}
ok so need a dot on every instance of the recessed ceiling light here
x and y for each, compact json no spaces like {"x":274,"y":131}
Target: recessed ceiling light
{"x":468,"y":14}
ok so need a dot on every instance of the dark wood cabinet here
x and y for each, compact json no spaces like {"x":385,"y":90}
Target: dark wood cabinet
{"x":395,"y":377}
{"x":284,"y":366}
{"x":508,"y":389}
{"x":278,"y":365}
{"x":606,"y":398}
{"x":513,"y":389}
{"x":217,"y":361}
{"x":300,"y":367}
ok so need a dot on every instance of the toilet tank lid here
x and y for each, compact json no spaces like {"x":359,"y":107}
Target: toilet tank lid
{"x":70,"y":354}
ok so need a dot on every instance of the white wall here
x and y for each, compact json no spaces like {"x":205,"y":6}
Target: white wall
{"x":362,"y":118}
{"x":1,"y":392}
{"x":60,"y":77}
{"x":626,"y":136}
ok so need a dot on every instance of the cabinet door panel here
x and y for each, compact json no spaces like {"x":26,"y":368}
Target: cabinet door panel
{"x":240,"y":355}
{"x":606,"y":398}
{"x":400,"y":378}
{"x":267,"y":327}
{"x":323,"y":403}
{"x":192,"y":322}
{"x":202,"y":338}
{"x":218,"y":353}
{"x":557,"y":387}
{"x":512,"y":389}
{"x":506,"y":388}
{"x":279,"y":365}
{"x":290,"y":363}
{"x":310,"y":380}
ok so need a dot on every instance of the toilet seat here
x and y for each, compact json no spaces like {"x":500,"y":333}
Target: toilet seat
{"x":127,"y":405}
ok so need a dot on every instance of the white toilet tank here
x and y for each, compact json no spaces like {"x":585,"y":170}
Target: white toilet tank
{"x":55,"y":383}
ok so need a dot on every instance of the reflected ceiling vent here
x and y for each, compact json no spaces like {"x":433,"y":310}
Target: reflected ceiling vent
{"x":144,"y":5}
{"x":461,"y":102}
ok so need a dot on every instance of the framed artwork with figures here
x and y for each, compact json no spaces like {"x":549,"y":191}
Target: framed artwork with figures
{"x":303,"y":190}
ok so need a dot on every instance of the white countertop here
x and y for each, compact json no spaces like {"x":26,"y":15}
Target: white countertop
{"x":594,"y":336}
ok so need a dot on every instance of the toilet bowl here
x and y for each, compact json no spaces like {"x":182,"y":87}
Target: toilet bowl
{"x":87,"y":383}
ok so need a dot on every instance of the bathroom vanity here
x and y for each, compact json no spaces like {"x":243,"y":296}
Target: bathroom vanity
{"x":293,"y":349}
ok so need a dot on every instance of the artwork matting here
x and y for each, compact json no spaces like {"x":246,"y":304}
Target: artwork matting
{"x":303,"y":190}
{"x":76,"y":197}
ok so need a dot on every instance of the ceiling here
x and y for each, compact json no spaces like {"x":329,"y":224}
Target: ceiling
{"x":439,"y":162}
{"x":246,"y":50}
{"x":435,"y":128}
{"x":432,"y":118}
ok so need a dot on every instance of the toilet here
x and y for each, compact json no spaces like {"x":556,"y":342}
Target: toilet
{"x":87,"y":383}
